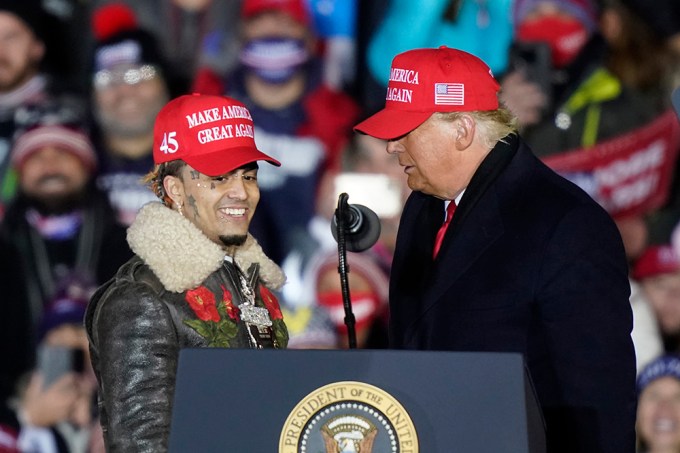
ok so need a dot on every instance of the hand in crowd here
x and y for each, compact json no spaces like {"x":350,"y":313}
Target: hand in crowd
{"x":523,"y":97}
{"x":81,"y":415}
{"x":46,"y":407}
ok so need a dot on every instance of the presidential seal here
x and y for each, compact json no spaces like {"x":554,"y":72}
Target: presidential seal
{"x":348,"y":417}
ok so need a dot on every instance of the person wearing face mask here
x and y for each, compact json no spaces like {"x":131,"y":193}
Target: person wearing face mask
{"x":559,"y":85}
{"x":301,"y":121}
{"x":570,"y":103}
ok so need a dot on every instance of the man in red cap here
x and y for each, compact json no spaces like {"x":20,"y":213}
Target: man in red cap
{"x":658,"y":272}
{"x":496,"y":252}
{"x":198,"y":279}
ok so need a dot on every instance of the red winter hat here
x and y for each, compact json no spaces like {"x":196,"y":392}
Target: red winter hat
{"x":425,"y":81}
{"x":112,"y":18}
{"x":70,"y":139}
{"x":297,"y":9}
{"x":213,"y":134}
{"x":659,"y":259}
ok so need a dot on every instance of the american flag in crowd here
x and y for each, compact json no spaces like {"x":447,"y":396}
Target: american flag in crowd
{"x":449,"y":93}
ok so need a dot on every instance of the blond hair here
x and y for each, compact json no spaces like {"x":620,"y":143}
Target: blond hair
{"x":492,"y":125}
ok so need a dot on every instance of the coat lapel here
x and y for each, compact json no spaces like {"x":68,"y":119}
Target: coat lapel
{"x":476,"y":225}
{"x":413,"y":255}
{"x":462,"y":246}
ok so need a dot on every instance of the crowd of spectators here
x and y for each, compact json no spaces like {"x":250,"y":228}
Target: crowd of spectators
{"x":590,"y":81}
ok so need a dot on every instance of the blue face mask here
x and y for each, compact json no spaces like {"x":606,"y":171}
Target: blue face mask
{"x":274,"y":60}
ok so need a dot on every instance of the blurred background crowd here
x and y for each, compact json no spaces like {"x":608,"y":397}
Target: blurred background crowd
{"x":592,"y":83}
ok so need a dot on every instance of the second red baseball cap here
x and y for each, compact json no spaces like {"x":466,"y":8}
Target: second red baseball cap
{"x":655,"y":260}
{"x":213,"y":134}
{"x":297,"y":9}
{"x":425,"y":81}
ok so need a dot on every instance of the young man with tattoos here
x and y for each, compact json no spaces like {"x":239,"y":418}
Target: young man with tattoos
{"x":199,"y":279}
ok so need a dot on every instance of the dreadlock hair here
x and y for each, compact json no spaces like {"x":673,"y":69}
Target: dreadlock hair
{"x":154,"y":179}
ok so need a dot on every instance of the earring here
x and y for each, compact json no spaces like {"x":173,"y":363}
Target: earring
{"x":179,"y":209}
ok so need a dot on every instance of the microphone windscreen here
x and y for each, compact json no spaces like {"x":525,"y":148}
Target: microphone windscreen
{"x":367,"y":233}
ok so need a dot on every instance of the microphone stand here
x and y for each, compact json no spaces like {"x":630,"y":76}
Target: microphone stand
{"x":343,"y":269}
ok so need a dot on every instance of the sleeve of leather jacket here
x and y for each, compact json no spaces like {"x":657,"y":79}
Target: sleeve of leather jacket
{"x":137,"y":351}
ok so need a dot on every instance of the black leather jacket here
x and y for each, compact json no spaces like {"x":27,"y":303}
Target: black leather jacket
{"x":138,"y":322}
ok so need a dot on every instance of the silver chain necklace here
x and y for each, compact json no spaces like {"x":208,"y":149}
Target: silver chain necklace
{"x":249,"y":312}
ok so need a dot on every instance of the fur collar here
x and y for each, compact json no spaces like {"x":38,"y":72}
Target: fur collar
{"x":182,"y":257}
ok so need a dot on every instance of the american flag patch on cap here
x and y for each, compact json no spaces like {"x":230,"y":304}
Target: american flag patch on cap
{"x":449,"y":94}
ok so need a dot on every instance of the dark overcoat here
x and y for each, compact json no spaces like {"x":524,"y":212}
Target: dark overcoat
{"x":529,"y":264}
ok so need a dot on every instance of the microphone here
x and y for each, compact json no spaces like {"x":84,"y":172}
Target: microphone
{"x":355,"y":228}
{"x":361,"y":225}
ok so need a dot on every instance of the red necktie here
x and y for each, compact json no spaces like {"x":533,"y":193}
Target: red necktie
{"x":450,"y":209}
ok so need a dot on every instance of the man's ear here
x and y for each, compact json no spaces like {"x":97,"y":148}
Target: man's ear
{"x":174,"y":188}
{"x":464,"y":131}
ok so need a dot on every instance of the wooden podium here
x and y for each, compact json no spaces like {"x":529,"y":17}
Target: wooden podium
{"x":262,"y":401}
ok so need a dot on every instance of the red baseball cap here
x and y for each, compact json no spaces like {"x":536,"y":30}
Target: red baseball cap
{"x":297,"y":9}
{"x":213,"y":134}
{"x":425,"y":81}
{"x":657,"y":259}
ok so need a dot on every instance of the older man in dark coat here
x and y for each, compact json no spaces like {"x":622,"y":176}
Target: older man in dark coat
{"x":522,"y":261}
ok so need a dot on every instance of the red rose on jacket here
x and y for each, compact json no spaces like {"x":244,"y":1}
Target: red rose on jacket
{"x":271,"y":302}
{"x":232,"y":311}
{"x":202,"y":302}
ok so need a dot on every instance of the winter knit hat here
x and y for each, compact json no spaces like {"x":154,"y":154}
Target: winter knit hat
{"x":128,"y":47}
{"x":60,"y":312}
{"x":69,"y":303}
{"x":68,"y":138}
{"x":120,"y":41}
{"x":664,"y":366}
{"x":112,"y":18}
{"x":30,"y":12}
{"x":585,"y":11}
